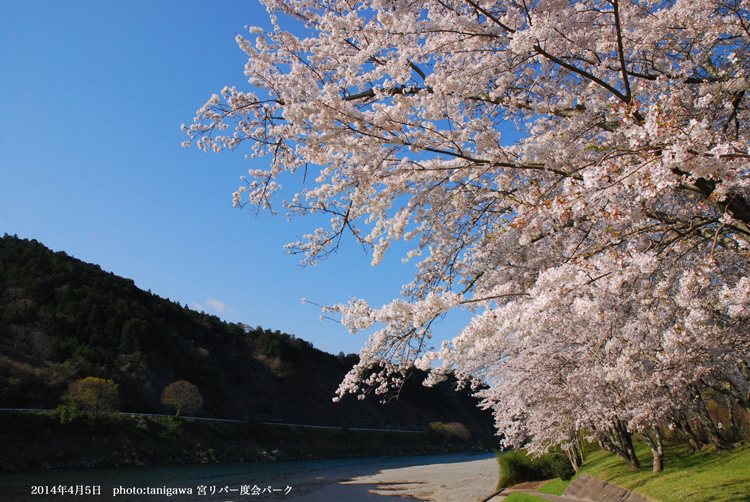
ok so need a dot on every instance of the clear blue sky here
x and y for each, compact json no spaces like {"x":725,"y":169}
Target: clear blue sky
{"x":93,"y":95}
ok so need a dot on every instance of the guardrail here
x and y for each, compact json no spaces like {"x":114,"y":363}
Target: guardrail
{"x":389,"y":429}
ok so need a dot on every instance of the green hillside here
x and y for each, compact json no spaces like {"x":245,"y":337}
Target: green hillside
{"x":62,"y":320}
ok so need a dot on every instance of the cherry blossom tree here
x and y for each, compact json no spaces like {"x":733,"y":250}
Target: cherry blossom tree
{"x":182,"y":396}
{"x":604,"y":254}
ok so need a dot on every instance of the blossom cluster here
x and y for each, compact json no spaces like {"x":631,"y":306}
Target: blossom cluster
{"x":604,"y":254}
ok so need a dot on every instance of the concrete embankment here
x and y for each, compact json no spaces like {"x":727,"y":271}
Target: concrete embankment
{"x":585,"y":488}
{"x":589,"y":488}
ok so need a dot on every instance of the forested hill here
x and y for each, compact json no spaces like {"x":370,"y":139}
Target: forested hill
{"x":62,"y":319}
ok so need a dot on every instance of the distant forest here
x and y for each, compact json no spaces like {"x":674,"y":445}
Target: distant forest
{"x":62,"y":319}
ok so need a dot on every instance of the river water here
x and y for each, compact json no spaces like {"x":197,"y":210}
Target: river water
{"x":309,"y":481}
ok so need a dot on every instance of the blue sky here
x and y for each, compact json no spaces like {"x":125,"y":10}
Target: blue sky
{"x":93,"y":95}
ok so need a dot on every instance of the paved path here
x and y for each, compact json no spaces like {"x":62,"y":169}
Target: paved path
{"x":554,"y":498}
{"x":531,"y":488}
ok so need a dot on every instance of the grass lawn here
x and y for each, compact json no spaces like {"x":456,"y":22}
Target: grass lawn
{"x":708,"y":475}
{"x":555,"y":487}
{"x":523,"y":497}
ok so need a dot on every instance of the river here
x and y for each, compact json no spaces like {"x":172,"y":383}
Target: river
{"x":309,"y":481}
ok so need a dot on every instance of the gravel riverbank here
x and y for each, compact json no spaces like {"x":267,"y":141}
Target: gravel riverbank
{"x":461,"y":481}
{"x":453,"y":478}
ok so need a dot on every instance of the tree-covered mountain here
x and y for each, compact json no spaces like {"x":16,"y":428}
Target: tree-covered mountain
{"x":62,"y":320}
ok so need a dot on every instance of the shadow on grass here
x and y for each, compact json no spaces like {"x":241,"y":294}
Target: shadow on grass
{"x":708,"y":475}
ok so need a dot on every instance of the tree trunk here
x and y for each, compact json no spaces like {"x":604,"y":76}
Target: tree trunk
{"x":627,"y":442}
{"x":579,"y":442}
{"x":744,"y":399}
{"x":684,"y":427}
{"x":706,"y":423}
{"x":711,"y":431}
{"x":620,"y":442}
{"x":575,"y":449}
{"x":657,"y":448}
{"x":730,"y":411}
{"x":574,"y":455}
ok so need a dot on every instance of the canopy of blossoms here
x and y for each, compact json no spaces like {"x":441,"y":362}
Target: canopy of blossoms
{"x":604,"y":254}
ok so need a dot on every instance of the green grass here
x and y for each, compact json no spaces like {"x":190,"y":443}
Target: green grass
{"x":708,"y":475}
{"x":523,"y":497}
{"x":555,"y":487}
{"x":517,"y":467}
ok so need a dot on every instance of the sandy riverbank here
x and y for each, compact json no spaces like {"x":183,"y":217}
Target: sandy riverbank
{"x":462,"y":478}
{"x":462,"y":481}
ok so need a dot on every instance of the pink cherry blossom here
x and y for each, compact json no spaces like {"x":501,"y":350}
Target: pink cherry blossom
{"x":604,"y":254}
